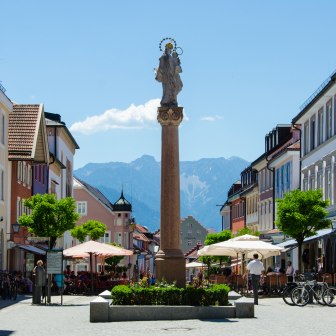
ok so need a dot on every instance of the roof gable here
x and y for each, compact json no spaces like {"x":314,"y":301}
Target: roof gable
{"x":95,"y":193}
{"x":27,"y":137}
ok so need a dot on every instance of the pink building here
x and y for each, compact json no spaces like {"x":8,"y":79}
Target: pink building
{"x":92,"y":204}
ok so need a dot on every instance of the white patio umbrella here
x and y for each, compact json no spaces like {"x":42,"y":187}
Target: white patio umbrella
{"x":248,"y":247}
{"x":195,"y":264}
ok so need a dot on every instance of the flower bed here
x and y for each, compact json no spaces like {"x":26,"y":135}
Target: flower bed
{"x":213,"y":295}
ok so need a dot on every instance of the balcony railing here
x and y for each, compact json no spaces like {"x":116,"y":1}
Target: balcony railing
{"x":315,"y":94}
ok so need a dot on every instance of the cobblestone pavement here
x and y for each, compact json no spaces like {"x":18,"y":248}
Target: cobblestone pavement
{"x":272,"y":317}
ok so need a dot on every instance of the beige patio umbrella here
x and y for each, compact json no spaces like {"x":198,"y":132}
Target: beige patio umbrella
{"x":90,"y":248}
{"x":95,"y":248}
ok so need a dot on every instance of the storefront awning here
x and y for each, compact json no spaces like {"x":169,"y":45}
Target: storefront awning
{"x":293,"y":243}
{"x":31,"y":249}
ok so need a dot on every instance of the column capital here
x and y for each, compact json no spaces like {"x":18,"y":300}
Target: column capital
{"x":171,"y":116}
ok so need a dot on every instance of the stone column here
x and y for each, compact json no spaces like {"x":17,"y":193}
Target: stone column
{"x":170,"y":262}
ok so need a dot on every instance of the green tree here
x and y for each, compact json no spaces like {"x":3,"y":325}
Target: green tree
{"x":213,"y":238}
{"x":300,"y":214}
{"x":115,"y":260}
{"x":49,"y":217}
{"x":245,"y":231}
{"x":92,"y":228}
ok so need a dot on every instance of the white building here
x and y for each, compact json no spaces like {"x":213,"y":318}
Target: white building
{"x":318,"y":155}
{"x":62,"y":147}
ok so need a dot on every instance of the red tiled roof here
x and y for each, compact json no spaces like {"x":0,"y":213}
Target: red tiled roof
{"x":140,"y":228}
{"x":22,"y":131}
{"x":140,"y":236}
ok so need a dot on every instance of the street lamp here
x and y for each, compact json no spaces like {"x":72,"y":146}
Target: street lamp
{"x":16,"y":227}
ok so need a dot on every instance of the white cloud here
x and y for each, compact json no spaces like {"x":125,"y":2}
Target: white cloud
{"x":212,"y":118}
{"x":133,"y":117}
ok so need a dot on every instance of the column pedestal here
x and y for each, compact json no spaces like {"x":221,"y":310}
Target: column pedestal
{"x":170,"y":262}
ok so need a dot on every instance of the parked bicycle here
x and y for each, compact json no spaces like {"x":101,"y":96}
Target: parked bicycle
{"x":289,"y":287}
{"x":302,"y":294}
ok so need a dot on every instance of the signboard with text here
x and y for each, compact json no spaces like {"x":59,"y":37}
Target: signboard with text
{"x":55,"y":262}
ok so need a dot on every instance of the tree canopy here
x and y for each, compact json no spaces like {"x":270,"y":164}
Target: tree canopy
{"x":300,"y":214}
{"x":92,"y":228}
{"x":115,"y":260}
{"x":49,"y":217}
{"x":213,"y":238}
{"x":245,"y":231}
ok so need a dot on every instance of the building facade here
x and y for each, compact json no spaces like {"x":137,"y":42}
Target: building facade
{"x":317,"y":119}
{"x":27,"y":146}
{"x":193,"y":233}
{"x":6,"y":107}
{"x":62,"y":148}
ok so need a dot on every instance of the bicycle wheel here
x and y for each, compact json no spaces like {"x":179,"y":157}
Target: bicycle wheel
{"x":318,"y":295}
{"x":300,"y":296}
{"x":287,"y":294}
{"x":329,"y":297}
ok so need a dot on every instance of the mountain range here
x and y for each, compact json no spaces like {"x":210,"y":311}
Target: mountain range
{"x":204,"y":185}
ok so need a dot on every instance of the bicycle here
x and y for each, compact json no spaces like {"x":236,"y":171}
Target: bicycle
{"x":286,"y":292}
{"x":301,"y":294}
{"x":329,"y":296}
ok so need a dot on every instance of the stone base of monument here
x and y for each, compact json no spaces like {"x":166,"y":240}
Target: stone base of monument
{"x":171,"y":269}
{"x":102,"y":311}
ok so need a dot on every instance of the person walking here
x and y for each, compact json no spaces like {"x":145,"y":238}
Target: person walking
{"x":255,"y":268}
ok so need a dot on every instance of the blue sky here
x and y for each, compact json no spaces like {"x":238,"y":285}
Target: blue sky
{"x":247,"y":66}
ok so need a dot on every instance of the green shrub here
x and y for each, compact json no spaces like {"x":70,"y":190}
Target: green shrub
{"x":170,"y":295}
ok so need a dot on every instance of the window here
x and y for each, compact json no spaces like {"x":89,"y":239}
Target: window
{"x":106,"y":238}
{"x":2,"y":181}
{"x":189,"y":242}
{"x":19,"y":171}
{"x":82,"y":208}
{"x":2,"y":130}
{"x":312,"y":183}
{"x":306,"y":138}
{"x":53,"y":187}
{"x":329,"y":119}
{"x":312,"y":133}
{"x":328,"y":185}
{"x":320,"y":126}
{"x":319,"y":181}
{"x":118,"y":238}
{"x":18,"y":207}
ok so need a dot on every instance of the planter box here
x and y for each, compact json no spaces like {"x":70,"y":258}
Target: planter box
{"x":102,"y":311}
